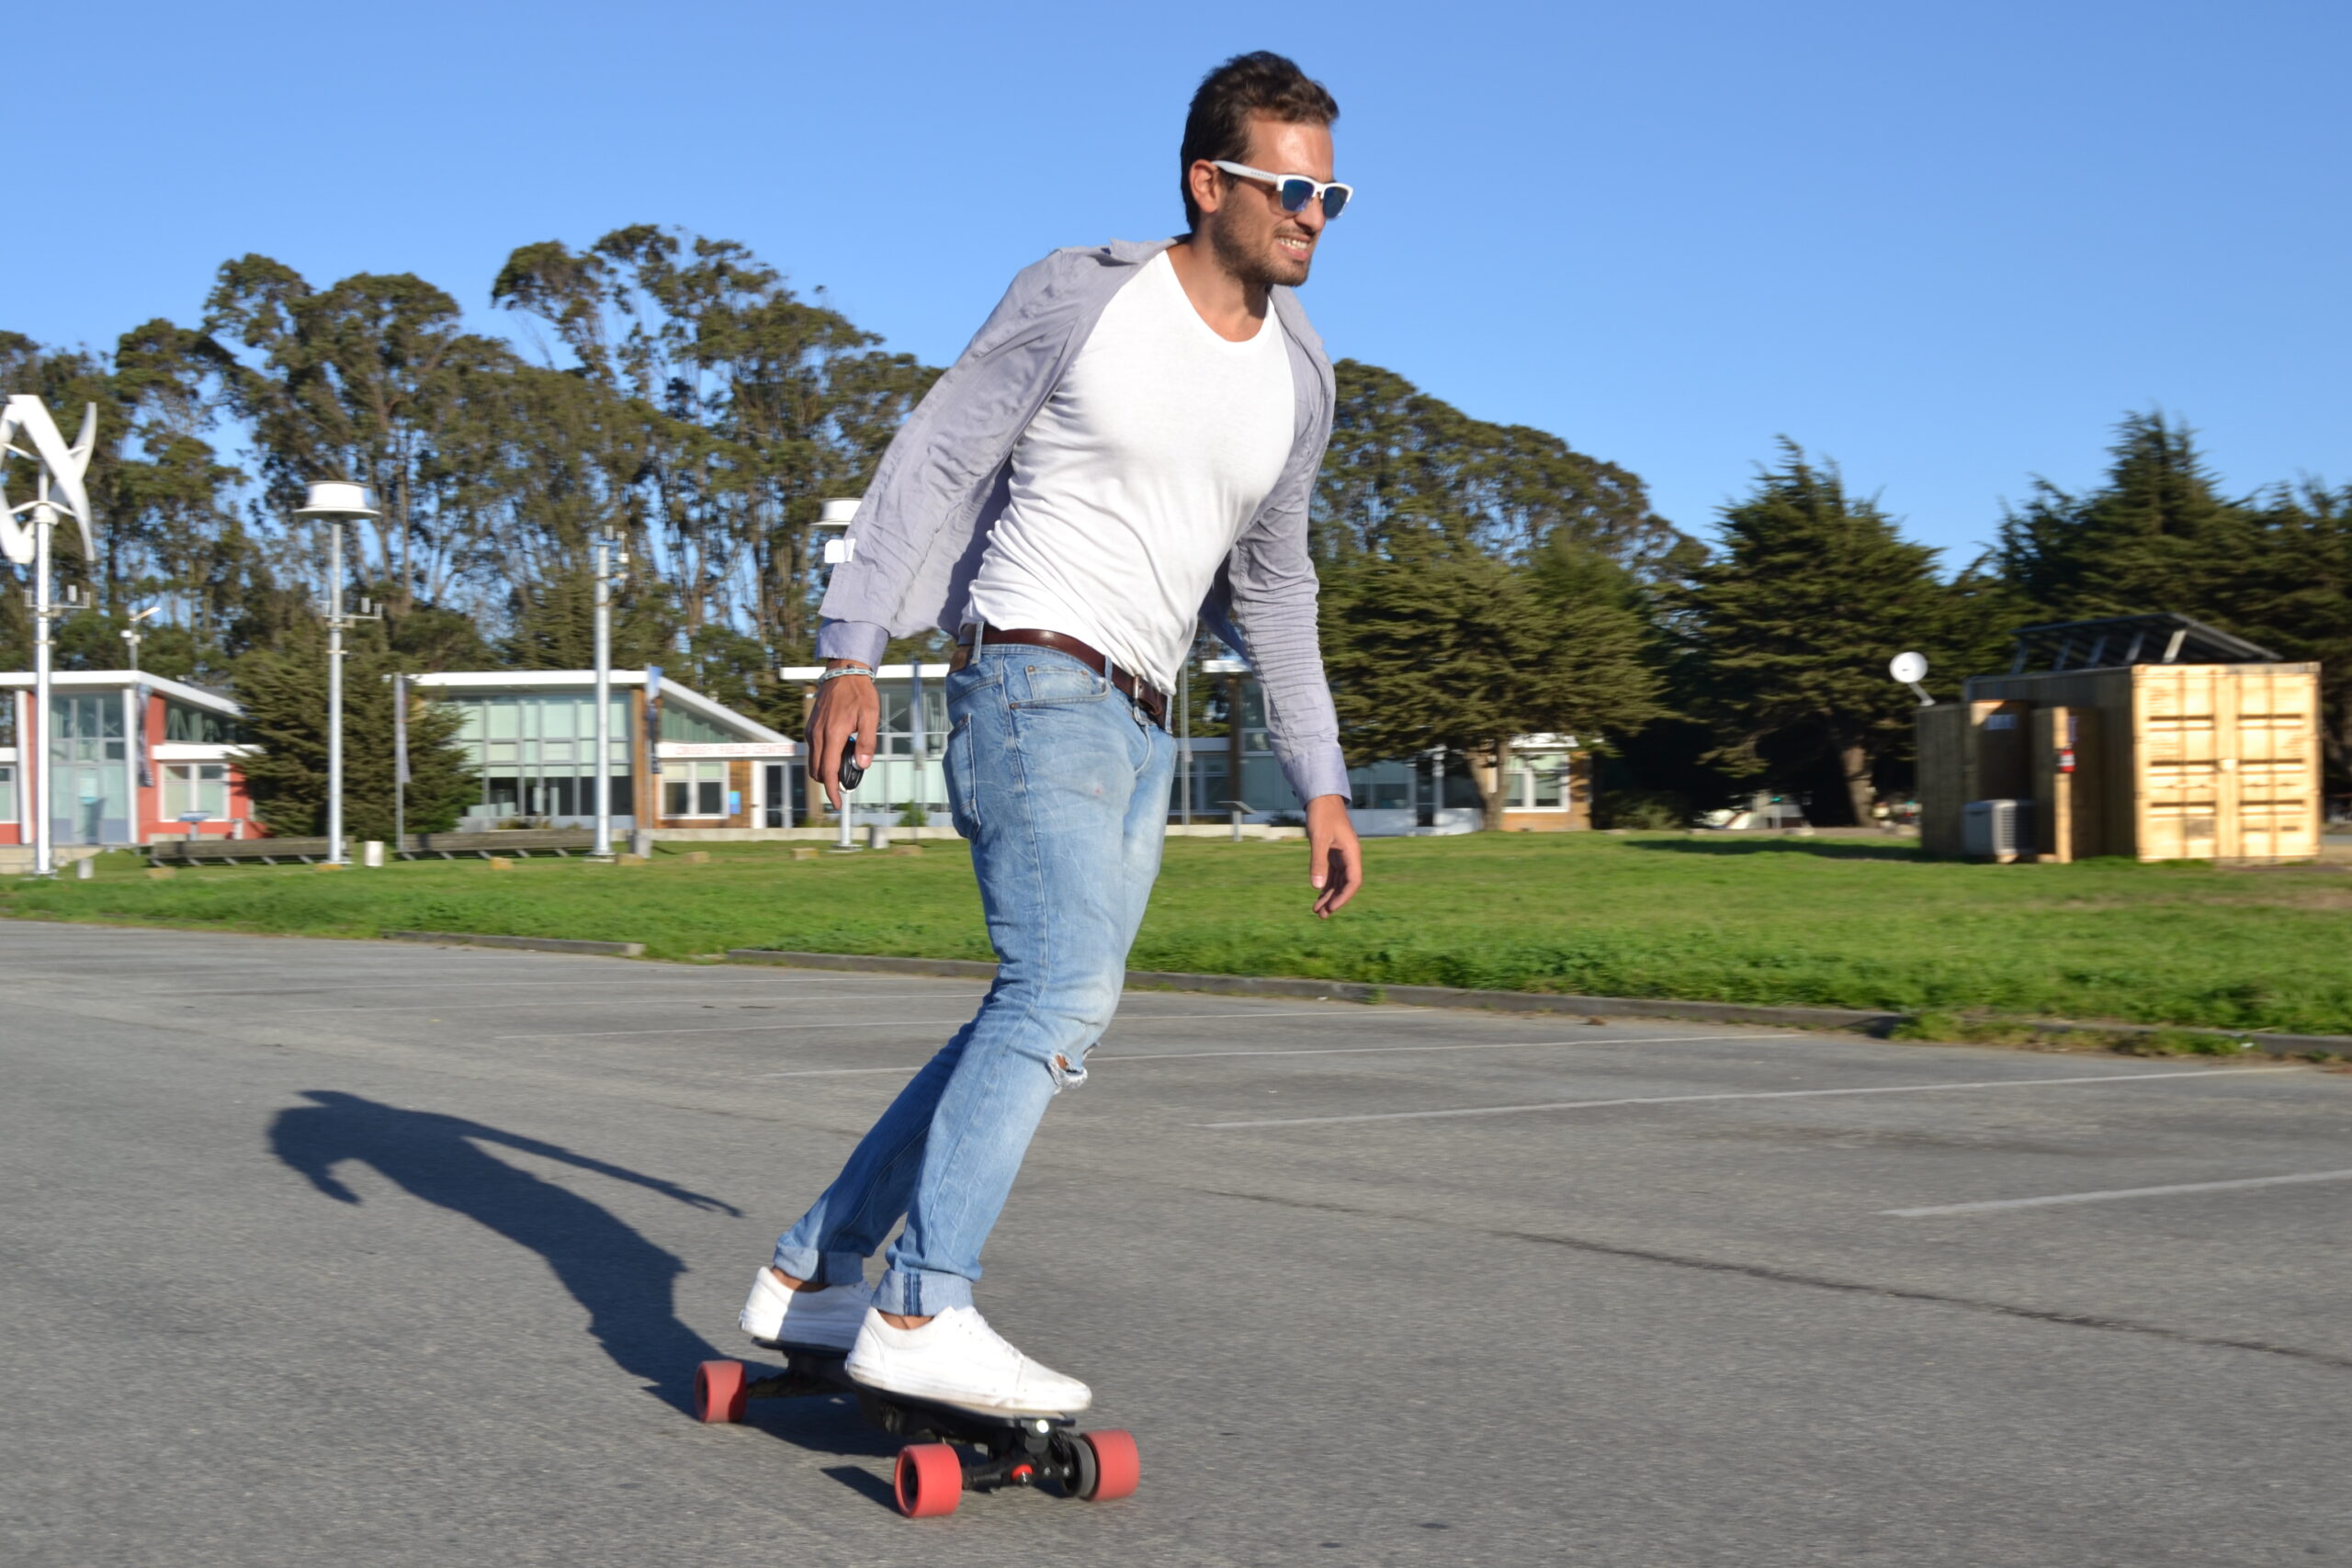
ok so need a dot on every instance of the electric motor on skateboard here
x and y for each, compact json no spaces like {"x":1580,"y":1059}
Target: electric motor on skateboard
{"x":936,"y":1470}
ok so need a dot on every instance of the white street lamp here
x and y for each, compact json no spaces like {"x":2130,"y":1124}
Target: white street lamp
{"x":337,"y":501}
{"x":134,"y":637}
{"x":612,"y":559}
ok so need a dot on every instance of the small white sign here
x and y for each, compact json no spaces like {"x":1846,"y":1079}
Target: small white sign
{"x":728,"y":749}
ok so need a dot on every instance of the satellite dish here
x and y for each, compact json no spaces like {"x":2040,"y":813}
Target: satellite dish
{"x":1908,"y":668}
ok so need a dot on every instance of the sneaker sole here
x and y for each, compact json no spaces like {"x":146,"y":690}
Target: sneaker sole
{"x":965,"y":1402}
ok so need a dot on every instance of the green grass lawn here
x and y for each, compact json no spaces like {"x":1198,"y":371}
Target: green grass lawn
{"x":1832,"y":922}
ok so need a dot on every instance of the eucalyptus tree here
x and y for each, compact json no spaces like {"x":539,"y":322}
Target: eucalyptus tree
{"x":758,"y":404}
{"x":1399,"y":453}
{"x":370,"y":380}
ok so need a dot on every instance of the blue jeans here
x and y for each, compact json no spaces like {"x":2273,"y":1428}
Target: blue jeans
{"x":1061,"y":784}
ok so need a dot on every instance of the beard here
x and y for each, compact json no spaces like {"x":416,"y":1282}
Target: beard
{"x":1261,"y":266}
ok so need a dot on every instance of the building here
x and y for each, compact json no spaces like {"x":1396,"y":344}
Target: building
{"x":1551,"y":775}
{"x":135,"y":757}
{"x":530,"y":736}
{"x":2153,"y":737}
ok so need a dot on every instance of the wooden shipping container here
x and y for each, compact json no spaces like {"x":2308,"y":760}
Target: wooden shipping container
{"x":2169,"y":761}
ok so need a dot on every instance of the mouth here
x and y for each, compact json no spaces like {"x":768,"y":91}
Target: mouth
{"x":1298,"y":245}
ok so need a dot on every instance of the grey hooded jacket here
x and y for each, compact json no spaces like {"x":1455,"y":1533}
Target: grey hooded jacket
{"x":920,"y":534}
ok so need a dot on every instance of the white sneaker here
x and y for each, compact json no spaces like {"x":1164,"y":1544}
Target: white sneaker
{"x":956,"y":1359}
{"x":826,"y":1319}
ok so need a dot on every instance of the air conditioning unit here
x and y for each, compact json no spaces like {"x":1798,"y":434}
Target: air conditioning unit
{"x":1997,"y":830}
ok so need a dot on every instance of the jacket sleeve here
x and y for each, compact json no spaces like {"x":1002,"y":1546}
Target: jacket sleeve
{"x":1268,"y":595}
{"x":946,"y":458}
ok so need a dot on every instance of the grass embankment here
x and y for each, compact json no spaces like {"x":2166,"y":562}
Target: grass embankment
{"x":1818,"y":922}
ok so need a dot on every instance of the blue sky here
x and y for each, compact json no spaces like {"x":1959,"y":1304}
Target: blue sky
{"x":1947,"y":245}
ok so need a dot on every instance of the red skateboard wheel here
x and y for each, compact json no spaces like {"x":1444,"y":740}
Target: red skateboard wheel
{"x":719,"y":1390}
{"x":1117,"y":1466}
{"x":930,"y":1480}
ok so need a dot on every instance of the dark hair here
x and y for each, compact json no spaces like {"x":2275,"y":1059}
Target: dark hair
{"x":1217,"y":127}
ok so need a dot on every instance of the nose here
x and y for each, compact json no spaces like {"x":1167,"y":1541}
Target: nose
{"x":1310,"y":217}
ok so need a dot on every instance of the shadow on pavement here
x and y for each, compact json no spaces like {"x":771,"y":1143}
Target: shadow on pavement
{"x":1825,"y":849}
{"x":623,"y":1280}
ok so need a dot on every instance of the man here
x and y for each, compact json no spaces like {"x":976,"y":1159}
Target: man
{"x":1129,"y":442}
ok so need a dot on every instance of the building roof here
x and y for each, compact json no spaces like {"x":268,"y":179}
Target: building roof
{"x":2158,"y":638}
{"x":105,"y":680}
{"x":687,"y":697}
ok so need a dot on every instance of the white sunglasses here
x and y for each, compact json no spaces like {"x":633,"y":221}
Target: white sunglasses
{"x":1295,"y":191}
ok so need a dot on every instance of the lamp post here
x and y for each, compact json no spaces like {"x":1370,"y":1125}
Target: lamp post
{"x":61,"y":470}
{"x":839,"y":548}
{"x":134,"y":637}
{"x":338,"y":502}
{"x":612,"y":558}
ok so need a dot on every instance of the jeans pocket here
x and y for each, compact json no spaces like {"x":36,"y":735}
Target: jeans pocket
{"x":1058,"y":682}
{"x":963,"y":799}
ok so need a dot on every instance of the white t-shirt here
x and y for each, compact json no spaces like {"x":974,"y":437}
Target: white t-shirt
{"x":1130,"y":486}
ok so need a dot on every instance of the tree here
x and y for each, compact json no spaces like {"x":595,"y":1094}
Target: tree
{"x":2293,"y":594}
{"x":2154,"y":536}
{"x":284,"y":694}
{"x":1399,"y":457}
{"x":1431,"y":641}
{"x":1792,"y":626}
{"x":371,"y":381}
{"x":755,"y":404}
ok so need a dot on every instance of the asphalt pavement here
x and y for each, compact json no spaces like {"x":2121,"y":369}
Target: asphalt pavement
{"x":362,"y":1254}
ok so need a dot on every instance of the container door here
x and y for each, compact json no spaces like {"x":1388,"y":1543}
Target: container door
{"x":2179,"y":795}
{"x":2277,"y":764}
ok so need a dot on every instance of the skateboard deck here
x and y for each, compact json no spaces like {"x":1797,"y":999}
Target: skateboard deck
{"x":934,"y":1470}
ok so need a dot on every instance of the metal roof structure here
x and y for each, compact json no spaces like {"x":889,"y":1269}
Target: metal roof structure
{"x":2156,"y":639}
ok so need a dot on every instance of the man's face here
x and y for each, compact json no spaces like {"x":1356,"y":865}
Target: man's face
{"x":1254,"y":239}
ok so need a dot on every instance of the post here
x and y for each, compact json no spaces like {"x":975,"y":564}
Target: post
{"x":400,"y":762}
{"x":1185,"y":732}
{"x":918,"y":735}
{"x":337,"y":501}
{"x":335,"y":694}
{"x":44,"y":523}
{"x":603,"y":847}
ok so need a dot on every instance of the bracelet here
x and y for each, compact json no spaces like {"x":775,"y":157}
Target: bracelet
{"x":844,"y":670}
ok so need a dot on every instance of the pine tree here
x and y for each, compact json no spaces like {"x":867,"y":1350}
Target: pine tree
{"x":1792,"y":624}
{"x":1430,"y":641}
{"x":2154,"y":536}
{"x":284,"y":694}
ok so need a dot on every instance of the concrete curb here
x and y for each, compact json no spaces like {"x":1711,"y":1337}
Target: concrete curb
{"x":1851,"y":1020}
{"x":531,"y":944}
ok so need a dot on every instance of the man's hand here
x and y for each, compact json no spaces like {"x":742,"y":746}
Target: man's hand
{"x":846,"y":705}
{"x":1335,"y":861}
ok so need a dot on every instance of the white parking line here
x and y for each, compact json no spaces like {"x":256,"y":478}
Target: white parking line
{"x":744,"y":1028}
{"x":415,"y":983}
{"x":666,"y":998}
{"x":1754,"y":1094}
{"x":2119,"y":1193}
{"x":1301,"y":1051}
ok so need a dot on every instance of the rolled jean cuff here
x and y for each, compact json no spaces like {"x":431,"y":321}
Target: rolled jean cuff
{"x":821,"y":1268}
{"x":918,"y":1292}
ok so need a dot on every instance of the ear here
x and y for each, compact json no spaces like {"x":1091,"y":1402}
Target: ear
{"x":1207,"y":183}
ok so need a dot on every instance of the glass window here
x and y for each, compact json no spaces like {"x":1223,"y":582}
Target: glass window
{"x":679,"y":725}
{"x":198,"y":725}
{"x":196,"y":786}
{"x":505,"y":719}
{"x":8,"y":792}
{"x":694,"y":788}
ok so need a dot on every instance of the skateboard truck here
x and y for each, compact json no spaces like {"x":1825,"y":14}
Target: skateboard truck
{"x":934,"y":1470}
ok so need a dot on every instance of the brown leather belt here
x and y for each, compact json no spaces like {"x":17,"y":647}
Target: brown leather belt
{"x":1142,"y":693}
